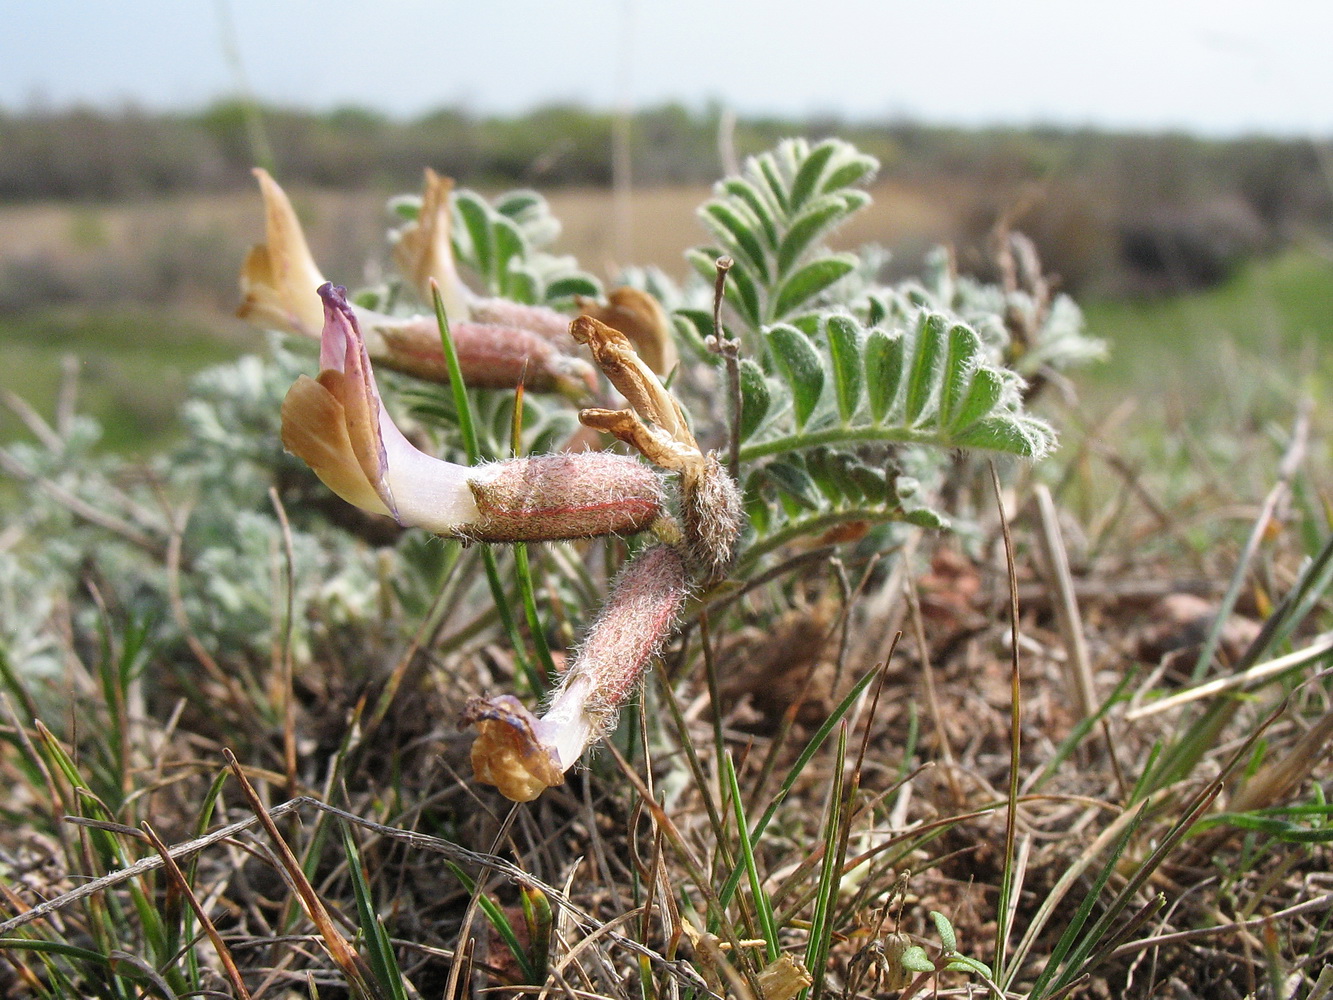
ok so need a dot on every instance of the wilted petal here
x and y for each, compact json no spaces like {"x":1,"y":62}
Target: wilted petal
{"x":635,"y":381}
{"x":314,"y":428}
{"x":642,"y":320}
{"x":279,"y":277}
{"x":425,"y":249}
{"x":507,"y":752}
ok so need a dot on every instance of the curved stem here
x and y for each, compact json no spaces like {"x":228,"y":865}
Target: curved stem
{"x":810,"y":526}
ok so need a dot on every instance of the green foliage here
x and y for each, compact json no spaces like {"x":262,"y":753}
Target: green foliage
{"x":847,"y":384}
{"x":503,"y":243}
{"x":770,"y":220}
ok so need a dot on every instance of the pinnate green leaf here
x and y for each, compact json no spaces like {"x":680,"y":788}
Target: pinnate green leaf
{"x":731,"y":226}
{"x":985,"y":392}
{"x":885,"y":355}
{"x":844,"y":344}
{"x":807,"y":282}
{"x":853,"y":169}
{"x":791,"y":479}
{"x":963,"y":355}
{"x":815,"y":220}
{"x":475,"y":214}
{"x":1018,"y":435}
{"x":755,"y":200}
{"x":800,"y":365}
{"x":927,"y":366}
{"x":572,"y":285}
{"x":806,"y":181}
{"x":755,"y":397}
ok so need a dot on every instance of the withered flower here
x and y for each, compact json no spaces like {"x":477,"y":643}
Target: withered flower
{"x":508,"y":347}
{"x":655,"y":426}
{"x":641,"y":319}
{"x":339,"y":426}
{"x":523,"y":755}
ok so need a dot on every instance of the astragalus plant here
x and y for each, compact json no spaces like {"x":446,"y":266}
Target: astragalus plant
{"x":526,"y":491}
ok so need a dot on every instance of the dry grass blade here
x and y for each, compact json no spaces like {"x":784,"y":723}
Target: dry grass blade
{"x":229,"y":968}
{"x":339,"y":948}
{"x":1278,"y":778}
{"x":1078,"y":666}
{"x":1256,"y":923}
{"x":1015,"y":731}
{"x":1287,"y":468}
{"x":1318,"y":647}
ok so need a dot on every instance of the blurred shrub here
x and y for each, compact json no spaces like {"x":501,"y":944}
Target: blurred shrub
{"x":1123,"y":209}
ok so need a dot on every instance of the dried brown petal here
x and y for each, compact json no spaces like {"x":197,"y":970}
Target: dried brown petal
{"x":653,"y":444}
{"x":783,"y":978}
{"x":279,"y":277}
{"x":632,"y":378}
{"x":425,"y":251}
{"x":507,"y":753}
{"x":642,"y":320}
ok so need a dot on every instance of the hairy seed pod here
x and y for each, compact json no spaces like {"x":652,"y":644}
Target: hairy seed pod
{"x":576,"y":495}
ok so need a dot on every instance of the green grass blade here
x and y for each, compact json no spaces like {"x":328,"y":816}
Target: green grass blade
{"x":500,"y":923}
{"x":379,"y":949}
{"x":763,"y":905}
{"x":811,"y":748}
{"x":830,"y":875}
{"x":467,"y":426}
{"x":1076,"y":735}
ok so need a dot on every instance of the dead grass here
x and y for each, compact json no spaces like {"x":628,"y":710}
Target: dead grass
{"x":626,"y":849}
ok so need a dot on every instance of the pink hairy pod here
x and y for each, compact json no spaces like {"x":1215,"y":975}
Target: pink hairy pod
{"x":541,"y":320}
{"x":523,"y":755}
{"x":576,"y":495}
{"x":489,"y":356}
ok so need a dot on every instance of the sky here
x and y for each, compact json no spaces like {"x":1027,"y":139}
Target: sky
{"x":1209,"y":66}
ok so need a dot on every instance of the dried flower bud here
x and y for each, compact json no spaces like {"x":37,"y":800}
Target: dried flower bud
{"x":424,"y":249}
{"x":522,"y":755}
{"x":642,"y":320}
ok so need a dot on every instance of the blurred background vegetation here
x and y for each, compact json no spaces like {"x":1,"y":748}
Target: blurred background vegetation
{"x":123,"y":230}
